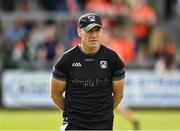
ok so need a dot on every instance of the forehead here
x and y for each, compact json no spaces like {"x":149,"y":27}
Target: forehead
{"x":96,"y":28}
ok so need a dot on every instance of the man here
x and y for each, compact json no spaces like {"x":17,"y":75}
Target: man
{"x":92,"y":77}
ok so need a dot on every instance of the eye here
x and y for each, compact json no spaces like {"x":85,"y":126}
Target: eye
{"x":98,"y":30}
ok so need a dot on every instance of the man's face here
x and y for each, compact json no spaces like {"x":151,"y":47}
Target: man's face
{"x":91,"y":38}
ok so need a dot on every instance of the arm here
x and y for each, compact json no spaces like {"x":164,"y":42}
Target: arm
{"x":57,"y":87}
{"x":118,"y":88}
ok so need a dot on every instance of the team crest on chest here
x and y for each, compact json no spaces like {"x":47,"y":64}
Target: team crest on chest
{"x":103,"y":64}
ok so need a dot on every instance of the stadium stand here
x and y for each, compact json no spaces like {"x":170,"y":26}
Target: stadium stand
{"x":46,"y":26}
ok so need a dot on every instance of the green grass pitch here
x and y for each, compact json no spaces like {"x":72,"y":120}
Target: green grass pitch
{"x":39,"y":119}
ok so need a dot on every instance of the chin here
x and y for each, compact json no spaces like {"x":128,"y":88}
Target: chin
{"x":93,"y":46}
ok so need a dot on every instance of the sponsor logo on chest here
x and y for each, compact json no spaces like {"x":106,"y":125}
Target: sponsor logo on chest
{"x":76,"y":64}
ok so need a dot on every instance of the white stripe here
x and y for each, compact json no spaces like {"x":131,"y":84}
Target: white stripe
{"x":63,"y":127}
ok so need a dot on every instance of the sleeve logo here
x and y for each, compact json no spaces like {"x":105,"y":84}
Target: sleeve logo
{"x":103,"y":65}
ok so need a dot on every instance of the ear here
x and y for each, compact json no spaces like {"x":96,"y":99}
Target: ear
{"x":79,"y":32}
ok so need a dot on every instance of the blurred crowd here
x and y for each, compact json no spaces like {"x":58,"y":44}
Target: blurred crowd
{"x":130,"y":28}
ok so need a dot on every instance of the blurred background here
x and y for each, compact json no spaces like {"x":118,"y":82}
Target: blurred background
{"x":144,"y":33}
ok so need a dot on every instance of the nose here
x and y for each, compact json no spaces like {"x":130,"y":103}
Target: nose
{"x":94,"y":34}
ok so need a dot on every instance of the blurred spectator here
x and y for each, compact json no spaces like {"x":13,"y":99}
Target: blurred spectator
{"x":62,"y":30}
{"x":165,"y":56}
{"x":98,"y":6}
{"x":122,"y":43}
{"x":15,"y":41}
{"x":51,"y":42}
{"x":44,"y":37}
{"x":52,"y":5}
{"x":20,"y":50}
{"x":144,"y":18}
{"x":16,"y":32}
{"x":72,"y":31}
{"x":81,"y":4}
{"x":60,"y":5}
{"x":41,"y":60}
{"x":7,"y":50}
{"x":37,"y":37}
{"x":120,"y":7}
{"x":72,"y":6}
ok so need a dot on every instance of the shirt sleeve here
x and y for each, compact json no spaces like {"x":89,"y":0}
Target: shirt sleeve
{"x":60,"y":69}
{"x":117,"y":67}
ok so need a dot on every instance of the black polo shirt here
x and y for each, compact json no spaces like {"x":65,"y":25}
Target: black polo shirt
{"x":88,"y":97}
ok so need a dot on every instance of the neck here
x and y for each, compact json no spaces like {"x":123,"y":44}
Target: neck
{"x":89,"y":50}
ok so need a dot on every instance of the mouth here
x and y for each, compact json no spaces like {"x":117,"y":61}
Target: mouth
{"x":93,"y":41}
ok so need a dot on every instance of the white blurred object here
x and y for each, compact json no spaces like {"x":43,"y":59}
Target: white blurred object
{"x":178,"y":8}
{"x":160,"y":66}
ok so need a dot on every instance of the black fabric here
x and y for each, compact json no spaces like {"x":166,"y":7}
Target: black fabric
{"x":88,"y":97}
{"x":71,"y":126}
